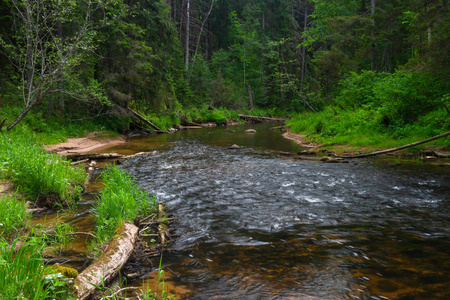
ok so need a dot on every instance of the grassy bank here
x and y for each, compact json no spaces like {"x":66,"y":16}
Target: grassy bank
{"x":120,"y":200}
{"x":362,"y":130}
{"x":381,"y":110}
{"x":42,"y":177}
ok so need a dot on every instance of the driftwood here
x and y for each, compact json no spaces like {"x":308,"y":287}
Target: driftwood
{"x":162,"y":227}
{"x":84,"y":157}
{"x":140,"y":117}
{"x":257,"y":119}
{"x":79,"y":162}
{"x":92,"y":156}
{"x":399,"y":148}
{"x":108,"y":265}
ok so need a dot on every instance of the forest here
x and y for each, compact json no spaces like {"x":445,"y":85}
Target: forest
{"x":351,"y":75}
{"x":335,"y":66}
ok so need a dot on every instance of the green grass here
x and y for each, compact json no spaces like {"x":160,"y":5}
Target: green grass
{"x":121,"y":200}
{"x":37,"y":173}
{"x":22,"y":273}
{"x":364,"y":128}
{"x":13,"y":216}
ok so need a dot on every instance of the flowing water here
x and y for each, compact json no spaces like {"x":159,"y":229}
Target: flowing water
{"x":254,"y":224}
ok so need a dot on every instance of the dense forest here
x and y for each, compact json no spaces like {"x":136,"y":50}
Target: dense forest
{"x":383,"y":61}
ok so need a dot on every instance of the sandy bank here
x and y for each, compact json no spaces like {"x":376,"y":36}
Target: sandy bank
{"x":93,"y":141}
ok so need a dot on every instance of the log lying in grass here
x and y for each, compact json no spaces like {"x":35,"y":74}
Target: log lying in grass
{"x":399,"y":148}
{"x":108,"y":265}
{"x":257,"y":119}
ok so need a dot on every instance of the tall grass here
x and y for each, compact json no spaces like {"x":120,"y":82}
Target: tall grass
{"x":13,"y":215}
{"x":121,"y":200}
{"x":38,"y":173}
{"x":21,"y":272}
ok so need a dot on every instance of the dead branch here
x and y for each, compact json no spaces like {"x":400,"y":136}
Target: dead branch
{"x":399,"y":148}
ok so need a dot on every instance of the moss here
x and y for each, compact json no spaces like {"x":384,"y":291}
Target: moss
{"x":65,"y":271}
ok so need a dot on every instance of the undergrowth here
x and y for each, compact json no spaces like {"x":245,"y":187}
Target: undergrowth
{"x":38,"y":174}
{"x":13,"y":216}
{"x":22,"y":272}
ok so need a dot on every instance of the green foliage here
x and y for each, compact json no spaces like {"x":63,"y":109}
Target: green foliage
{"x":381,"y":110}
{"x":120,"y":200}
{"x":13,"y":215}
{"x":37,"y":173}
{"x":59,"y":237}
{"x":164,"y":122}
{"x":206,"y":114}
{"x":22,"y":273}
{"x":160,"y":294}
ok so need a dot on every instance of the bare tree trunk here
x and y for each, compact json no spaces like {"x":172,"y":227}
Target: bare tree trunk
{"x":207,"y":42}
{"x":263,"y":26}
{"x":187,"y":34}
{"x":200,"y":35}
{"x":372,"y":46}
{"x":181,"y":18}
{"x":400,"y":148}
{"x":250,"y":98}
{"x":302,"y":71}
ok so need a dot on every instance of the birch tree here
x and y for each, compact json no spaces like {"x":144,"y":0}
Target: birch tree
{"x":44,"y":57}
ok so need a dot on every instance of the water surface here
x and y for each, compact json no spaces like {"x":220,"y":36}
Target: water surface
{"x":256,"y":225}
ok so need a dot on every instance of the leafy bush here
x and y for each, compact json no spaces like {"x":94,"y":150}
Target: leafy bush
{"x":120,"y":200}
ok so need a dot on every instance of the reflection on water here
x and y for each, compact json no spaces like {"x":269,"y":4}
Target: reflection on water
{"x":258,"y":226}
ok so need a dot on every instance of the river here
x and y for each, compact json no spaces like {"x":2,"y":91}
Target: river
{"x":255,"y":224}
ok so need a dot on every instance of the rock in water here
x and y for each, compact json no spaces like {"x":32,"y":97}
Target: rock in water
{"x":234,"y":147}
{"x":250,"y":131}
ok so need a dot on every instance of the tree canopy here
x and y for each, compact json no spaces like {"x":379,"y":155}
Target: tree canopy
{"x":159,"y":55}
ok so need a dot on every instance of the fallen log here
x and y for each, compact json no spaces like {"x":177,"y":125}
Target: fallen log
{"x":399,"y":148}
{"x":109,"y":264}
{"x":257,"y":119}
{"x":92,"y":156}
{"x":84,"y":157}
{"x":140,"y":117}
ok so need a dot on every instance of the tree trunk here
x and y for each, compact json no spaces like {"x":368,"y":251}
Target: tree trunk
{"x":302,"y":72}
{"x":250,"y":99}
{"x":187,"y":34}
{"x":372,"y":46}
{"x":22,"y":115}
{"x":109,"y":264}
{"x":145,"y":120}
{"x":399,"y":148}
{"x":200,"y":35}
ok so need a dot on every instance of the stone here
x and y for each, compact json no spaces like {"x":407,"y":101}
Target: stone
{"x":234,"y":147}
{"x":250,"y":131}
{"x":307,"y":152}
